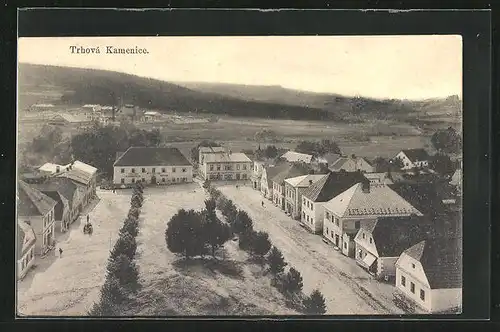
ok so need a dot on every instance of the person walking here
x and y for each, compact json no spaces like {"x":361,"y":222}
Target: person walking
{"x":262,"y":202}
{"x":60,"y":252}
{"x":88,"y":218}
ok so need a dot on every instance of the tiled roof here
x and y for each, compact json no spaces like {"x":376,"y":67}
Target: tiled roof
{"x":290,"y":172}
{"x":304,"y":180}
{"x":416,"y":154}
{"x":25,"y":238}
{"x":226,"y":157}
{"x":380,"y":200}
{"x":332,"y":185}
{"x":349,"y":164}
{"x":293,"y":156}
{"x":61,"y":203}
{"x":32,"y":202}
{"x":143,"y":156}
{"x":393,"y":235}
{"x":208,"y":149}
{"x":328,"y":158}
{"x":52,"y":168}
{"x":66,"y":187}
{"x":381,"y":177}
{"x":441,"y":259}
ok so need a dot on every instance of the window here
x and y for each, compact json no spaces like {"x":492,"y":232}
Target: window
{"x":144,"y":170}
{"x":363,"y":235}
{"x":153,"y":170}
{"x":163,"y":180}
{"x":133,"y":180}
{"x":303,"y":201}
{"x":308,"y":218}
{"x":183,"y":170}
{"x":163,"y":170}
{"x":360,"y":253}
{"x":238,"y":167}
{"x":345,"y":245}
{"x":303,"y":215}
{"x":312,"y":220}
{"x":123,"y":170}
{"x":173,"y":169}
{"x":312,"y":207}
{"x":371,"y":240}
{"x":123,"y":180}
{"x":244,"y":167}
{"x":218,"y":167}
{"x":356,"y":224}
{"x":327,"y":215}
{"x":403,"y":281}
{"x":133,"y":170}
{"x":422,"y":295}
{"x":211,"y":167}
{"x":337,"y":221}
{"x":412,"y":287}
{"x":244,"y":176}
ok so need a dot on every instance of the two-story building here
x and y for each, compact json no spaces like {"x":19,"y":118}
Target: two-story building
{"x":413,"y":158}
{"x":291,"y":171}
{"x":361,"y":202}
{"x":37,"y":210}
{"x":320,"y":192}
{"x":297,"y":157}
{"x":380,"y":242}
{"x":204,"y":150}
{"x":152,"y":165}
{"x":429,"y":274}
{"x":258,"y":168}
{"x":352,"y":164}
{"x":25,"y":248}
{"x":268,"y":173}
{"x":294,"y":187}
{"x":226,"y":166}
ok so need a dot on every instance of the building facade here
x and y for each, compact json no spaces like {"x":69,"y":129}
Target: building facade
{"x":204,"y":150}
{"x":293,"y":192}
{"x":226,"y":166}
{"x":25,"y":248}
{"x":352,"y":164}
{"x":413,"y":158}
{"x":152,"y":166}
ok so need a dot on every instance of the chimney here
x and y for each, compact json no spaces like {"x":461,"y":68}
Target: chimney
{"x":365,"y":185}
{"x":310,"y":182}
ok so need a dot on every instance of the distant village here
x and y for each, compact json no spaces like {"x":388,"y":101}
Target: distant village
{"x":402,"y":225}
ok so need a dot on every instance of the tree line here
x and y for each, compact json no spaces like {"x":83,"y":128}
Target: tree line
{"x":122,"y":273}
{"x":199,"y":233}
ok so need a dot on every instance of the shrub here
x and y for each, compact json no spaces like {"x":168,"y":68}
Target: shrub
{"x":126,"y":245}
{"x":125,"y":271}
{"x":292,"y":281}
{"x":112,"y":294}
{"x":133,"y":213}
{"x":215,"y":232}
{"x":184,"y":234}
{"x":260,"y":243}
{"x":130,"y":226}
{"x":242,"y":223}
{"x":315,"y":303}
{"x":276,"y":261}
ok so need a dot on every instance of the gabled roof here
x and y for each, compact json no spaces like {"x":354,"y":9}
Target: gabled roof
{"x":379,"y":201}
{"x":226,"y":157}
{"x":441,"y":259}
{"x":332,"y":184}
{"x":328,"y":158}
{"x":416,"y":154}
{"x":52,"y":168}
{"x":273,"y":170}
{"x":393,"y":235}
{"x":211,"y":149}
{"x":304,"y":180}
{"x":32,"y":202}
{"x":293,"y":156}
{"x":343,"y":163}
{"x":64,"y":186}
{"x":290,"y":172}
{"x":145,"y":156}
{"x":25,"y":238}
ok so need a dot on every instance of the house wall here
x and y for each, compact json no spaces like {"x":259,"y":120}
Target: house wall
{"x":387,"y":266}
{"x":162,"y":174}
{"x":411,"y":270}
{"x":341,"y":231}
{"x":227,"y":170}
{"x":445,"y":299}
{"x":44,"y":229}
{"x":278,"y":195}
{"x":292,"y":200}
{"x":264,"y":186}
{"x":25,"y":262}
{"x":312,"y":215}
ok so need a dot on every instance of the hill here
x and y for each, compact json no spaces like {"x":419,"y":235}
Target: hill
{"x":90,"y":86}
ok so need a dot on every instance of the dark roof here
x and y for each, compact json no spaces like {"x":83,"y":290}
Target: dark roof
{"x":273,"y":170}
{"x":144,"y":156}
{"x":441,"y":259}
{"x":66,"y":187}
{"x":290,"y":172}
{"x":393,"y":235}
{"x":416,"y":154}
{"x":32,"y":202}
{"x":333,"y":184}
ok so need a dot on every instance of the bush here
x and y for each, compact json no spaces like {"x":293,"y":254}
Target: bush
{"x":292,"y":281}
{"x":276,"y":261}
{"x":130,"y":226}
{"x":125,"y":271}
{"x":126,"y":245}
{"x":112,"y":294}
{"x":215,"y":232}
{"x":184,"y":234}
{"x":133,"y":213}
{"x":260,"y":243}
{"x":315,"y":303}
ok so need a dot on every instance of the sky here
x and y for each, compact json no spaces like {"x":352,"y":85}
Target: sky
{"x":400,"y":67}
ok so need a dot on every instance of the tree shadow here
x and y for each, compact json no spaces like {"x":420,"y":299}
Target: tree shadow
{"x":210,"y":266}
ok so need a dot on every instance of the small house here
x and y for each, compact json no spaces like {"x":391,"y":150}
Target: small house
{"x":413,"y":158}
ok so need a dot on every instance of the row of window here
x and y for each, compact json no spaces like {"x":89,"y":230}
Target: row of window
{"x":162,"y":180}
{"x":228,"y":167}
{"x":27,"y":259}
{"x":307,"y":203}
{"x":412,"y":288}
{"x":153,"y":170}
{"x":306,"y":217}
{"x":236,"y":176}
{"x":333,"y":219}
{"x":48,"y":218}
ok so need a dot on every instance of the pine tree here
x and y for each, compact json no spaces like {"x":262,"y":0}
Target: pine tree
{"x":184,"y":234}
{"x":292,"y":281}
{"x":216,"y":233}
{"x":126,"y":244}
{"x":242,"y":223}
{"x":125,"y":271}
{"x":315,"y":303}
{"x":276,"y":261}
{"x":260,"y":243}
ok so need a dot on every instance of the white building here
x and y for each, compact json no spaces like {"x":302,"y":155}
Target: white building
{"x":226,"y":166}
{"x":352,"y":164}
{"x":204,"y":150}
{"x":362,"y":202}
{"x":412,"y":158}
{"x":295,"y":157}
{"x":294,"y":187}
{"x":429,"y":274}
{"x":25,"y":248}
{"x":165,"y":165}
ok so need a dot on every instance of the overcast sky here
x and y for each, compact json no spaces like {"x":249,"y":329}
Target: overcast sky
{"x":412,"y":67}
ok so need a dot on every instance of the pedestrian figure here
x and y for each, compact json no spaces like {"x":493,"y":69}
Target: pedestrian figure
{"x":262,"y":203}
{"x":114,"y":192}
{"x":88,"y":218}
{"x":60,"y":252}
